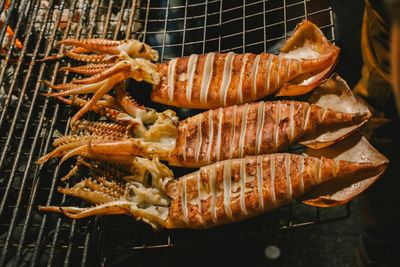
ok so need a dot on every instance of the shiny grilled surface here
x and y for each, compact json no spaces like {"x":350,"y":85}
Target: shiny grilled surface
{"x":29,"y":121}
{"x":249,"y":129}
{"x":212,"y":80}
{"x":237,"y":189}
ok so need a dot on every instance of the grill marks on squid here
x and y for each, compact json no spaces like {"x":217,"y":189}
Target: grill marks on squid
{"x":207,"y":76}
{"x":219,"y":133}
{"x":227,"y":189}
{"x":210,"y":135}
{"x":243,"y":179}
{"x":242,"y":77}
{"x":267,"y":76}
{"x":184,"y":200}
{"x":171,"y":78}
{"x":191,"y":69}
{"x":215,"y":79}
{"x":260,"y":126}
{"x":234,"y":189}
{"x":238,"y":131}
{"x":199,"y":138}
{"x":253,"y":75}
{"x":243,"y":130}
{"x":226,"y":77}
{"x":259,"y":183}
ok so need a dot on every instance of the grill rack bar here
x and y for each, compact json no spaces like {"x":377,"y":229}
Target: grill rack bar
{"x":32,"y":120}
{"x":39,"y":126}
{"x":26,"y":171}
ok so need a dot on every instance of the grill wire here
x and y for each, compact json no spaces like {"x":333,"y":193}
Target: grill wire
{"x":29,"y":121}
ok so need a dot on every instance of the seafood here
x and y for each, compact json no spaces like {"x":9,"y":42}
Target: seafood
{"x":230,"y":190}
{"x":201,"y":81}
{"x":231,"y":132}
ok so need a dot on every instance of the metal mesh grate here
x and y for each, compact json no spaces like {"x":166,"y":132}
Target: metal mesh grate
{"x":182,"y":28}
{"x":28,"y":121}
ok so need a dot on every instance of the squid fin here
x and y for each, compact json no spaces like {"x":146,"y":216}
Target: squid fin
{"x":342,"y":189}
{"x":336,"y":95}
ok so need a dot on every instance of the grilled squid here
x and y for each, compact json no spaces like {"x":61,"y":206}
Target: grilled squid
{"x":331,"y":114}
{"x":227,"y":191}
{"x":205,"y":81}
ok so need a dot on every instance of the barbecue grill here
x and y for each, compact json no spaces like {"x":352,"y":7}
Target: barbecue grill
{"x":29,"y":121}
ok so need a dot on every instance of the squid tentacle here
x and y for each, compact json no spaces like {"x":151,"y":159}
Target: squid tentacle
{"x":101,"y":83}
{"x":120,"y":67}
{"x":132,"y":48}
{"x":90,"y":58}
{"x":106,"y":86}
{"x":89,"y":69}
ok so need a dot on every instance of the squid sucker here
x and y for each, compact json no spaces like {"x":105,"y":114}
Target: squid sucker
{"x":331,"y":114}
{"x":205,"y":81}
{"x":230,"y":190}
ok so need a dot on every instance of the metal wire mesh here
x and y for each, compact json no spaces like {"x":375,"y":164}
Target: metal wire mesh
{"x":29,"y":121}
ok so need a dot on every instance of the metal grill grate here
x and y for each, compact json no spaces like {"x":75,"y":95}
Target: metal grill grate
{"x":28,"y":121}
